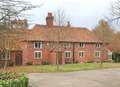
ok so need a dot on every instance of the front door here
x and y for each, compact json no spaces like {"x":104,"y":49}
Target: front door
{"x":60,"y":57}
{"x":18,"y":58}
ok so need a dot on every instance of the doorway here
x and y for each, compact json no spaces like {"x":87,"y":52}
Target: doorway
{"x":18,"y":58}
{"x":59,"y":57}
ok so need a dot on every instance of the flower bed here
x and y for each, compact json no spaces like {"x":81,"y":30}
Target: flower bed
{"x":8,"y":79}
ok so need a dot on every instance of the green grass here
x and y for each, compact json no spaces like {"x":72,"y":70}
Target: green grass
{"x":62,"y":68}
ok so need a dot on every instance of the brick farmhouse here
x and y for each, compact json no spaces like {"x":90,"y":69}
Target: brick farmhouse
{"x":73,"y":44}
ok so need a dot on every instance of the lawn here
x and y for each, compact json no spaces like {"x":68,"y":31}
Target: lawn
{"x":62,"y":68}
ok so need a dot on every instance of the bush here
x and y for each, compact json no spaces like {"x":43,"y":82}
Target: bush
{"x":29,"y":63}
{"x":90,"y":61}
{"x":46,"y":62}
{"x":8,"y":79}
{"x":77,"y":62}
{"x":116,"y":57}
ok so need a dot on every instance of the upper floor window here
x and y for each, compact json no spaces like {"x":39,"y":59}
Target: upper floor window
{"x":82,"y":45}
{"x":81,"y":54}
{"x":97,"y":54}
{"x":66,"y":45}
{"x":67,"y":54}
{"x":37,"y":44}
{"x":38,"y":54}
{"x":97,"y":45}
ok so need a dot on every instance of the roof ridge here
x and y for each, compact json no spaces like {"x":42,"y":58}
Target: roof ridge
{"x":38,"y":26}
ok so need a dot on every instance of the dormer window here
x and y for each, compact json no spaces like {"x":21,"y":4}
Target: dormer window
{"x":81,"y":45}
{"x":38,"y":45}
{"x":97,"y":45}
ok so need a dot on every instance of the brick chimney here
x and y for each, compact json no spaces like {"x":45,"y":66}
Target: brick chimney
{"x":49,"y":20}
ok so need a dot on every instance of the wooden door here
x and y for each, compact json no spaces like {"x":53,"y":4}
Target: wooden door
{"x":60,"y":57}
{"x":18,"y":58}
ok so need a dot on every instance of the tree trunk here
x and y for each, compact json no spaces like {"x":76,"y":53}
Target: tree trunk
{"x":57,"y":60}
{"x":6,"y":60}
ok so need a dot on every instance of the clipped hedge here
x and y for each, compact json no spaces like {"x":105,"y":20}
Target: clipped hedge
{"x":8,"y":79}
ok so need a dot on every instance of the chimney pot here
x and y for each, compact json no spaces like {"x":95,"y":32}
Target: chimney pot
{"x":68,"y":24}
{"x":49,"y":14}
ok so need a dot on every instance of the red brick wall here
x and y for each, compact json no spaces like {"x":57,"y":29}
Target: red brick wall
{"x":90,"y":48}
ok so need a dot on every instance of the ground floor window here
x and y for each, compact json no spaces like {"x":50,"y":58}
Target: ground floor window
{"x":38,"y":54}
{"x":67,"y":54}
{"x":97,"y":54}
{"x":110,"y":54}
{"x":81,"y":54}
{"x":4,"y":55}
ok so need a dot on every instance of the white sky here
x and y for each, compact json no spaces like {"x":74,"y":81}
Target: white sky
{"x":82,"y":13}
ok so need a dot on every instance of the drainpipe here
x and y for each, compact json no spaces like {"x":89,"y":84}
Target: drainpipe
{"x":73,"y":52}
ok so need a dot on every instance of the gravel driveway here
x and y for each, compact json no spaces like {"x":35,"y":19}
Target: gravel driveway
{"x":93,"y":78}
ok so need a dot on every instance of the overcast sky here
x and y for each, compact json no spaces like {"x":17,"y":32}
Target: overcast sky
{"x":82,"y":13}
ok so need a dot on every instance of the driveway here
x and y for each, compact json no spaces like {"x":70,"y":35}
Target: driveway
{"x":93,"y":78}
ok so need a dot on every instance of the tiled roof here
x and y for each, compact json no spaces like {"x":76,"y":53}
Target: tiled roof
{"x":65,"y":34}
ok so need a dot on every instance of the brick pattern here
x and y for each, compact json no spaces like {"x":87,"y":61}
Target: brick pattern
{"x":89,"y":53}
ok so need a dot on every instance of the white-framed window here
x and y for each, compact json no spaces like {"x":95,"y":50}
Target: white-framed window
{"x":38,"y":45}
{"x":3,"y":56}
{"x":97,"y":45}
{"x":110,"y":54}
{"x":67,"y":54}
{"x":82,"y":54}
{"x":38,"y":54}
{"x":97,"y":54}
{"x":66,"y":45}
{"x":81,"y":45}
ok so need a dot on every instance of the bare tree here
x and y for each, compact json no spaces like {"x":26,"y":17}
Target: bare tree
{"x":54,"y":45}
{"x":105,"y":33}
{"x":8,"y":39}
{"x":10,"y":10}
{"x":115,"y":12}
{"x":61,"y":18}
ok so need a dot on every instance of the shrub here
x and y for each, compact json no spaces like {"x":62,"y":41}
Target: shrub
{"x":77,"y":62}
{"x":29,"y":63}
{"x":8,"y":79}
{"x":90,"y":61}
{"x":46,"y":62}
{"x":116,"y":57}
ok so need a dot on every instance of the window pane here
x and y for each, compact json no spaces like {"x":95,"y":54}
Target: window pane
{"x":97,"y":45}
{"x":97,"y":54}
{"x":81,"y":54}
{"x":35,"y":54}
{"x":38,"y":55}
{"x":38,"y":44}
{"x":35,"y":45}
{"x":81,"y":44}
{"x":67,"y":54}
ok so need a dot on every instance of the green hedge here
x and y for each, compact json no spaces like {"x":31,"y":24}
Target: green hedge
{"x":9,"y":79}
